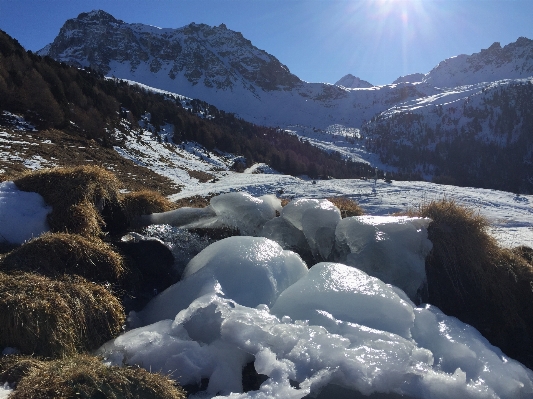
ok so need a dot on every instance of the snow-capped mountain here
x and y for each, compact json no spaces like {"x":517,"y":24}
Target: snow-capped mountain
{"x":352,"y":82}
{"x":220,"y":66}
{"x":513,"y":61}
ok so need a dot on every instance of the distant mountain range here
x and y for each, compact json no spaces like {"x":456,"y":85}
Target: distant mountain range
{"x":413,"y":123}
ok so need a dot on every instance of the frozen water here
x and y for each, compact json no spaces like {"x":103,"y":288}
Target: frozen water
{"x":390,"y":248}
{"x":319,"y":225}
{"x":305,"y":225}
{"x":285,"y":234}
{"x":244,"y":212}
{"x":236,"y":210}
{"x":345,"y":293}
{"x":22,"y":214}
{"x":182,"y":217}
{"x":214,"y":337}
{"x":223,"y":268}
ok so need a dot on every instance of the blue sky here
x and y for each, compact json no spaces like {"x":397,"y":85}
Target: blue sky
{"x":318,"y":40}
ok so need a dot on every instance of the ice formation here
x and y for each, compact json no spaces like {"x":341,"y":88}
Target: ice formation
{"x":236,"y":210}
{"x":309,"y":219}
{"x":22,"y":214}
{"x":335,"y":340}
{"x":224,"y":267}
{"x":390,"y":248}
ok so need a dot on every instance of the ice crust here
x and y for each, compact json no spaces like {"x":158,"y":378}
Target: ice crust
{"x":22,"y":214}
{"x":306,"y":224}
{"x":334,"y":290}
{"x":336,"y":329}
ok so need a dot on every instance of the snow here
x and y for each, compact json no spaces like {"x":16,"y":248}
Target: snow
{"x":5,"y":390}
{"x":22,"y":214}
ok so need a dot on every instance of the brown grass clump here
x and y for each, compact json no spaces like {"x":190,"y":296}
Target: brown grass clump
{"x":52,"y":318}
{"x":14,"y":367}
{"x":196,"y":201}
{"x":76,"y":194}
{"x":145,"y":202}
{"x":55,"y":254}
{"x":347,"y":206}
{"x":85,"y":376}
{"x":285,"y":201}
{"x":472,"y":278}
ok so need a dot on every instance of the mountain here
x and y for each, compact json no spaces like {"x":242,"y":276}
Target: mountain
{"x":221,"y":67}
{"x":214,"y":57}
{"x":513,"y":61}
{"x":69,"y":102}
{"x":217,"y":65}
{"x":351,"y":82}
{"x":411,"y":78}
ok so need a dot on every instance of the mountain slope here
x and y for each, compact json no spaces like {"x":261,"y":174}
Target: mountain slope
{"x":513,"y":61}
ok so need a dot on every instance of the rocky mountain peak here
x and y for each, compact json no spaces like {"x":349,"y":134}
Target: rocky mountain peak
{"x":352,"y":82}
{"x":96,"y":15}
{"x":512,"y":61}
{"x":216,"y":57}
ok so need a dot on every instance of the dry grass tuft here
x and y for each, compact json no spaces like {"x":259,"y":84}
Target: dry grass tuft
{"x":77,"y":195}
{"x":55,"y":254}
{"x":347,"y":206}
{"x":60,"y":317}
{"x":285,"y":201}
{"x":14,"y":368}
{"x":196,"y":201}
{"x":144,"y":203}
{"x":85,"y":376}
{"x":472,"y":278}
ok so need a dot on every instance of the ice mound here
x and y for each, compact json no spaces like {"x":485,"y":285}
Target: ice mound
{"x":214,"y":337}
{"x":182,"y":217}
{"x":348,"y":294}
{"x":223,"y":268}
{"x":244,"y":212}
{"x":390,"y":248}
{"x":22,"y":214}
{"x":315,"y":220}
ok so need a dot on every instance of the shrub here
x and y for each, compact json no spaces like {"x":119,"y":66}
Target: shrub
{"x":55,"y":254}
{"x":49,"y":317}
{"x":470,"y":277}
{"x":84,"y":376}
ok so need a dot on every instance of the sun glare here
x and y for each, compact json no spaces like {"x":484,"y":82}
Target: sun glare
{"x":404,"y":26}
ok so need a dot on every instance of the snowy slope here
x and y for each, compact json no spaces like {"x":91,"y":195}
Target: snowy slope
{"x":513,"y":61}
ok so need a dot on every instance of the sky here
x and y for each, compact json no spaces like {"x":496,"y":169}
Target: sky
{"x":318,"y":40}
